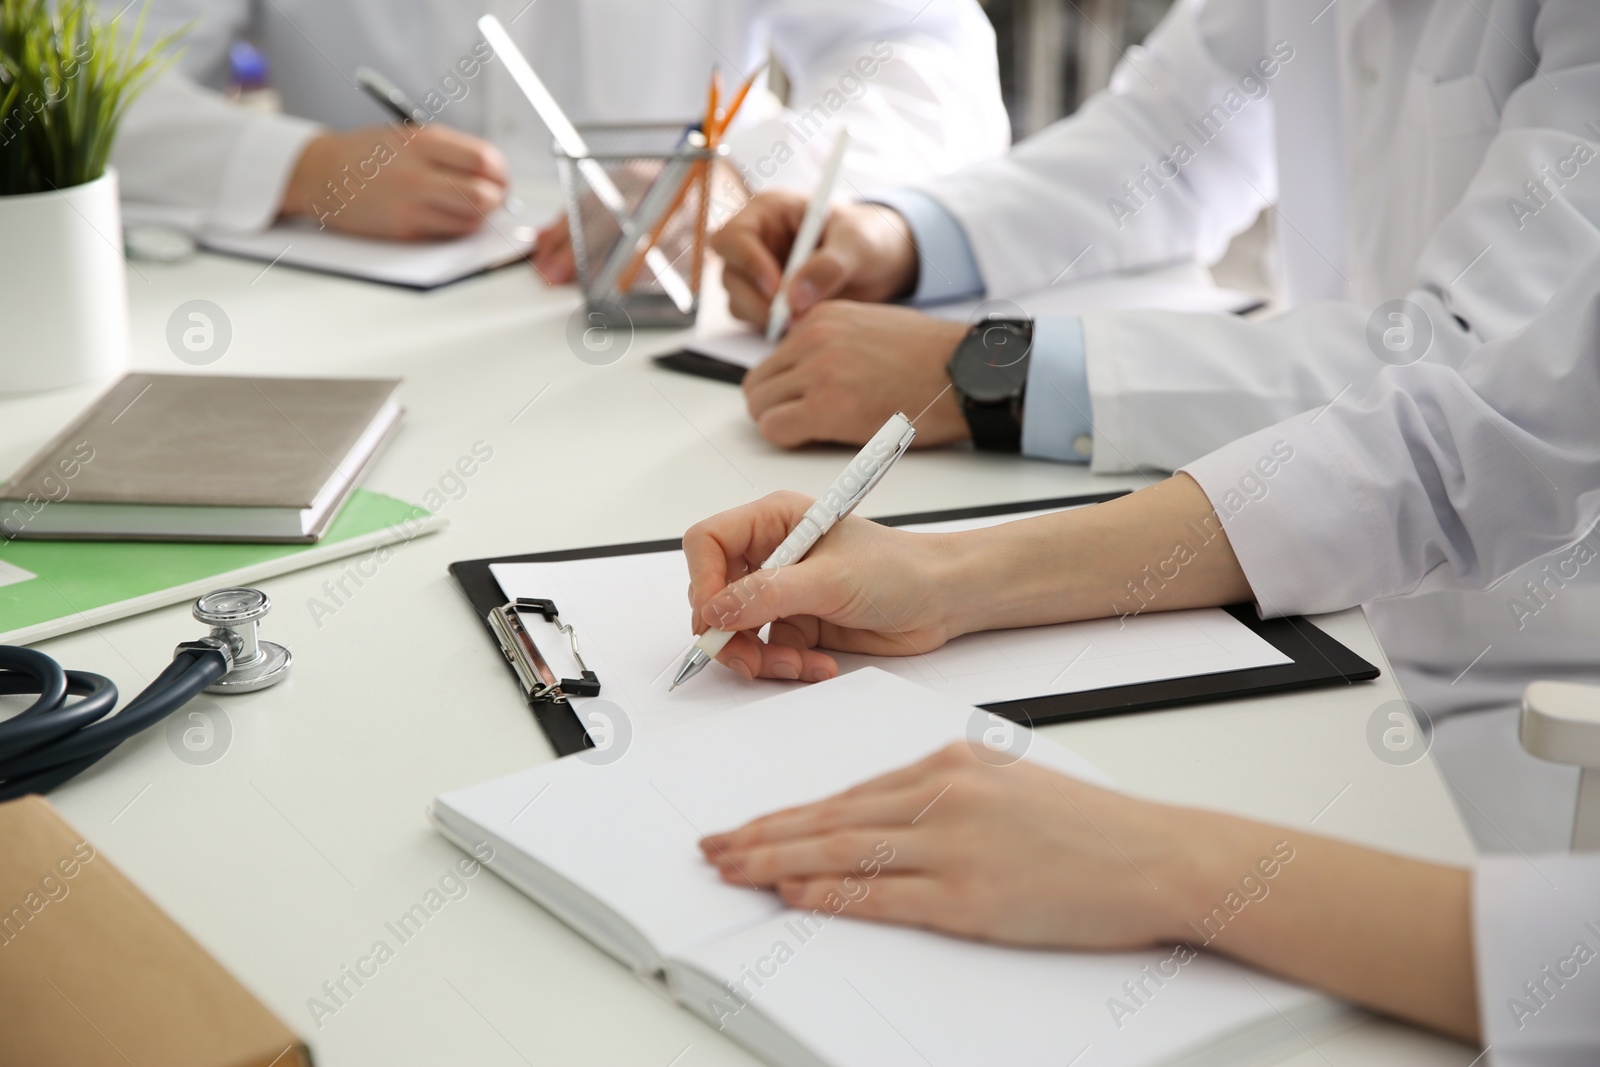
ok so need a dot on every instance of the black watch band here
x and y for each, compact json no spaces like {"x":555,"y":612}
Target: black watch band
{"x":989,"y":371}
{"x":995,"y":426}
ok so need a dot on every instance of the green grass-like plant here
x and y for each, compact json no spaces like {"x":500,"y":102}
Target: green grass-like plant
{"x":66,"y":77}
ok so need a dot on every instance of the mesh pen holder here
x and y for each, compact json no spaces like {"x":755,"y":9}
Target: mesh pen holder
{"x":636,"y":209}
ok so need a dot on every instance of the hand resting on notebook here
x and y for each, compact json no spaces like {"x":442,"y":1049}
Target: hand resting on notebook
{"x":881,"y":591}
{"x":1022,"y":855}
{"x":1017,"y":853}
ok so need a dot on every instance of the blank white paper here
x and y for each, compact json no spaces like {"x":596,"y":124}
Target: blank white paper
{"x":864,"y":994}
{"x":632,"y":617}
{"x":627,"y":831}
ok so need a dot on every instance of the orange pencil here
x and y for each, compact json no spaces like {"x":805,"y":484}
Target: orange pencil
{"x":708,"y":130}
{"x":738,"y":100}
{"x":714,"y":128}
{"x":713,"y":98}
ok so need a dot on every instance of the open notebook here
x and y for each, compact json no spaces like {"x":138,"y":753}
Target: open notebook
{"x":611,"y":849}
{"x":632,"y":618}
{"x":502,"y":239}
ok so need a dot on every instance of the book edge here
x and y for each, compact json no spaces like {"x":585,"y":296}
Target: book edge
{"x":255,"y":572}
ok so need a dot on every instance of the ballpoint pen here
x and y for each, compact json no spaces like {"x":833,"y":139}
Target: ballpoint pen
{"x":390,"y":96}
{"x":805,"y":240}
{"x":394,"y":100}
{"x":847,"y":490}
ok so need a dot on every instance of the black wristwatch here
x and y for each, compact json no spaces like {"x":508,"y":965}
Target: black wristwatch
{"x":990,"y":372}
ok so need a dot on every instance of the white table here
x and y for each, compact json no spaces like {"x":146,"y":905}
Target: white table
{"x":287,"y":855}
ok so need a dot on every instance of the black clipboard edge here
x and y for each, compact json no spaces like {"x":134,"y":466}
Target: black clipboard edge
{"x":700,"y":365}
{"x":1317,"y":658}
{"x":989,"y":511}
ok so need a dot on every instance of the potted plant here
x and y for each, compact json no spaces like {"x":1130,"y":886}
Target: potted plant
{"x":66,"y":76}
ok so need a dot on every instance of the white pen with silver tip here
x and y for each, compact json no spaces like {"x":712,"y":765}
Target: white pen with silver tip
{"x":806,"y":237}
{"x":847,"y":490}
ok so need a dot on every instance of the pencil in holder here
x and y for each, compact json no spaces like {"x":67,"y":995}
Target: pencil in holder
{"x":637,"y":210}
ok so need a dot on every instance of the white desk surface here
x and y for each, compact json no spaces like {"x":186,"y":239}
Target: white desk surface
{"x":286,"y":856}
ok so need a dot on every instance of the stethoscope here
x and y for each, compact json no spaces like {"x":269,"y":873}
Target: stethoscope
{"x":53,"y":740}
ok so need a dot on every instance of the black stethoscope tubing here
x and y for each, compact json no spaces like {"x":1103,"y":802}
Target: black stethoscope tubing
{"x":52,"y":740}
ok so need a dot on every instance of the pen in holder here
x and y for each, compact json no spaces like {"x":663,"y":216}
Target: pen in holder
{"x":636,"y":209}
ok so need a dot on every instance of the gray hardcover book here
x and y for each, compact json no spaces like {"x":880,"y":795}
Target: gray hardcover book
{"x":191,"y":457}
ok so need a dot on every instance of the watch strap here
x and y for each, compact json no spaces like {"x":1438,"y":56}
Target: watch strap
{"x":996,"y":425}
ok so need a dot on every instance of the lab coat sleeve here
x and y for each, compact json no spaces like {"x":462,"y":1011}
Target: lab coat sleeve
{"x":1057,"y":424}
{"x":1436,"y":477}
{"x":1536,"y":939}
{"x":1108,"y":189}
{"x":1168,"y":388}
{"x":945,"y":267}
{"x":1055,"y":419}
{"x":919,"y":88}
{"x":183,"y":145}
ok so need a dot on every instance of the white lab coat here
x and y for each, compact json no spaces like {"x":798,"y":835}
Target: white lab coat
{"x":1397,"y":140}
{"x":1436,"y":477}
{"x":931,"y":106}
{"x":1433,"y":476}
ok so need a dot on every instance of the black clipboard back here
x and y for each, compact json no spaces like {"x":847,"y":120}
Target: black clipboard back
{"x":1317,"y":659}
{"x":699,"y":365}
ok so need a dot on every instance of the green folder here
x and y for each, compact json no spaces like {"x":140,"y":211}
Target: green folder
{"x":49,"y":588}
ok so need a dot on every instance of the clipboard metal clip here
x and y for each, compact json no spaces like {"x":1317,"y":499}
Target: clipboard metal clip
{"x":539,"y":683}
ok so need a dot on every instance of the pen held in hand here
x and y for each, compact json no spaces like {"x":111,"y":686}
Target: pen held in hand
{"x":805,"y":239}
{"x":840,"y":499}
{"x":390,"y":97}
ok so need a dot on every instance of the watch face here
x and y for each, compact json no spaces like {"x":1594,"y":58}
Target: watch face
{"x":991,"y":363}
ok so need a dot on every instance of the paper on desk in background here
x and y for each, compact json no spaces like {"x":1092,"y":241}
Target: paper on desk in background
{"x":632,"y":619}
{"x":1162,"y":291}
{"x":72,"y":585}
{"x":504,"y":238}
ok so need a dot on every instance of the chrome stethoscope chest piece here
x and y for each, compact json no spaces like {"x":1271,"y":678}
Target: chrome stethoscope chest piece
{"x":234,"y":616}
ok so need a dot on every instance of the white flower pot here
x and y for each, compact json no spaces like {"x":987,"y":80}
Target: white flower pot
{"x":63,"y":286}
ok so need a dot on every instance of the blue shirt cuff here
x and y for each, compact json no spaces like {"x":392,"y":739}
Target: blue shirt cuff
{"x":946,"y":269}
{"x":1056,"y":421}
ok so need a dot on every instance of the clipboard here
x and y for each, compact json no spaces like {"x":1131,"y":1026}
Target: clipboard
{"x":1317,"y":659}
{"x":699,"y":365}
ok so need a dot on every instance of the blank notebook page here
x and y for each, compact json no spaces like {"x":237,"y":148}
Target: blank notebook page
{"x":865,"y":994}
{"x":628,"y":831}
{"x":502,"y":239}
